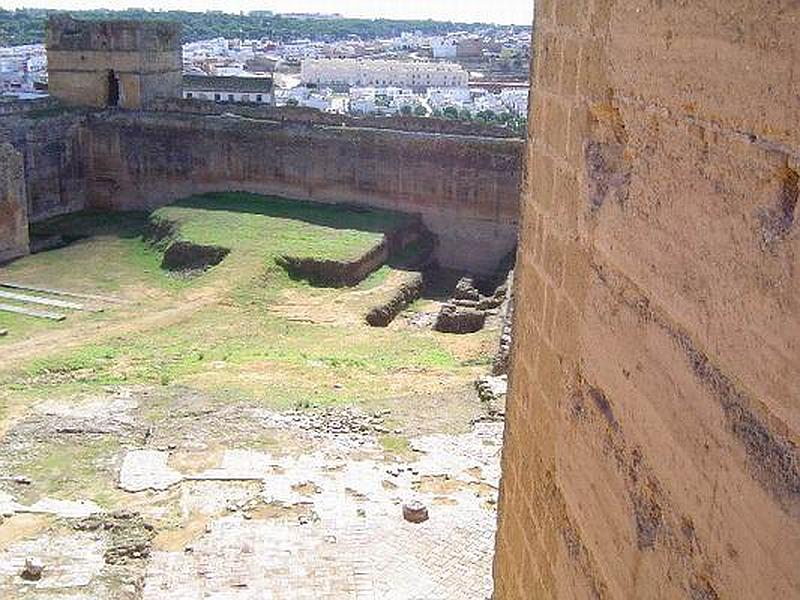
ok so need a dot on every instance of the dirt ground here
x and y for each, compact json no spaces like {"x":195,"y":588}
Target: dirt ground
{"x":234,"y":434}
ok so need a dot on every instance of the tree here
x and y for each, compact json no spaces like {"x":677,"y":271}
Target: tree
{"x":27,"y":26}
{"x":465,"y":114}
{"x":487,"y":116}
{"x":292,"y":102}
{"x":420,"y":111}
{"x":450,"y":112}
{"x":406,"y":110}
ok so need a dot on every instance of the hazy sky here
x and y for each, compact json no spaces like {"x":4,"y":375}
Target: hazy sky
{"x":500,"y":11}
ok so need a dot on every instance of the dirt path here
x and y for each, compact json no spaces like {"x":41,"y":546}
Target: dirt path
{"x":142,"y":318}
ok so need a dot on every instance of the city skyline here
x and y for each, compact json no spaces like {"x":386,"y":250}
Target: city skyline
{"x":514,"y":12}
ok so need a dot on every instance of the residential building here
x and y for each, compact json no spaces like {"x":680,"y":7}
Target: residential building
{"x":257,"y":90}
{"x":382,"y":73}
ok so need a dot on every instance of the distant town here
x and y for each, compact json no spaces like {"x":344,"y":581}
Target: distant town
{"x":471,"y":72}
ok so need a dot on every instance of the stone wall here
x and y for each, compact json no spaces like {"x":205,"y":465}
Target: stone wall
{"x":654,"y":412}
{"x":302,"y":114}
{"x":466,"y":188}
{"x":13,"y":211}
{"x":55,"y":173}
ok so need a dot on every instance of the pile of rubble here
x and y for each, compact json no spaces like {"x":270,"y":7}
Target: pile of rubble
{"x":340,"y":421}
{"x":130,"y":536}
{"x":471,"y":303}
{"x":492,"y":390}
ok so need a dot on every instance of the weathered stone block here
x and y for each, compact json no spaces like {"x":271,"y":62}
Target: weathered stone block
{"x":13,"y":205}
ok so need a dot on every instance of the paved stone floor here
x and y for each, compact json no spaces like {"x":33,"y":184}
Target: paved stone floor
{"x":322,"y":521}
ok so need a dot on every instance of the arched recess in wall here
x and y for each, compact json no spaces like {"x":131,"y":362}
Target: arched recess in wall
{"x":113,"y":89}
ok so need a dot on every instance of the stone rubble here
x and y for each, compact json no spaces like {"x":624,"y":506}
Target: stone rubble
{"x":34,"y":567}
{"x":492,"y":391}
{"x":468,"y":309}
{"x":415,"y":512}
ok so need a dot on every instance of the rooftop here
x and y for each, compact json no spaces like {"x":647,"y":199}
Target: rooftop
{"x":209,"y":83}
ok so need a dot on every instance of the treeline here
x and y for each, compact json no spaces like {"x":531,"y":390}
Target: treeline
{"x":27,"y":26}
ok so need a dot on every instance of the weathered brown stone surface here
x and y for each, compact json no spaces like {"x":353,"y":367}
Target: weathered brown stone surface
{"x":654,"y":411}
{"x":143,"y":56}
{"x":466,"y":188}
{"x":13,"y":210}
{"x":55,"y":174}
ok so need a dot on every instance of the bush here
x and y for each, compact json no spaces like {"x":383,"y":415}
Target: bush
{"x":450,"y":112}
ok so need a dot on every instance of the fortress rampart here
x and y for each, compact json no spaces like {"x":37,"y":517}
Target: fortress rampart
{"x":13,"y":208}
{"x":466,"y":187}
{"x":653,"y":422}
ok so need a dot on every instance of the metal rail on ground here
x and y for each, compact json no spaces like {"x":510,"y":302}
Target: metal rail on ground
{"x":43,"y":290}
{"x":48,"y":302}
{"x":21,"y":310}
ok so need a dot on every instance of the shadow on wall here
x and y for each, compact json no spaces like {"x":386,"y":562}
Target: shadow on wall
{"x":334,"y":216}
{"x":136,"y":224}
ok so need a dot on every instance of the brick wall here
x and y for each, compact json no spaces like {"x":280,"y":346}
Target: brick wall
{"x":654,"y":413}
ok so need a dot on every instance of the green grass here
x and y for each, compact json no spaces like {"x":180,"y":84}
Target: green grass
{"x":82,"y":468}
{"x":274,"y":226}
{"x":375,"y":279}
{"x":396,"y":445}
{"x":237,"y":344}
{"x":111,"y":255}
{"x":306,"y":354}
{"x":234,"y":346}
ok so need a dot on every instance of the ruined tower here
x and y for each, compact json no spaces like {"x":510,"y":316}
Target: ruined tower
{"x":113,"y":63}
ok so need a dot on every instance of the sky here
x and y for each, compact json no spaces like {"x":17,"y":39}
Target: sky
{"x":502,"y":11}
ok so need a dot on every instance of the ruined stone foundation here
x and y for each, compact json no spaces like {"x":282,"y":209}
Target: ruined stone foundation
{"x":13,"y":205}
{"x":654,"y":412}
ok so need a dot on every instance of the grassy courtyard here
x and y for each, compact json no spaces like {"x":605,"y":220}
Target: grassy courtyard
{"x":241,"y":329}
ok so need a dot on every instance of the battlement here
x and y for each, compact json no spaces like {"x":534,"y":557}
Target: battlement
{"x":67,"y":34}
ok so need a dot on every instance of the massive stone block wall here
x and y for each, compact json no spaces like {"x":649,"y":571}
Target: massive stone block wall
{"x":13,"y":210}
{"x":466,"y":188}
{"x":144,"y":57}
{"x":654,"y":413}
{"x":52,"y":149}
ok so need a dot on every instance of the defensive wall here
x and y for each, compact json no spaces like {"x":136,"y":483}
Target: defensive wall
{"x":13,"y":208}
{"x":464,"y":182}
{"x":464,"y":187}
{"x":652,"y":430}
{"x":54,"y":165}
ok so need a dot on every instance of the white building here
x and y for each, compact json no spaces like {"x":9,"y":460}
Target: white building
{"x":382,"y":73}
{"x":382,"y":101}
{"x":515,"y":100}
{"x":256,"y":90}
{"x":444,"y":47}
{"x":442,"y":98}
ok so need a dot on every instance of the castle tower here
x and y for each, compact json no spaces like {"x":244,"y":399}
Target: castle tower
{"x":113,"y":63}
